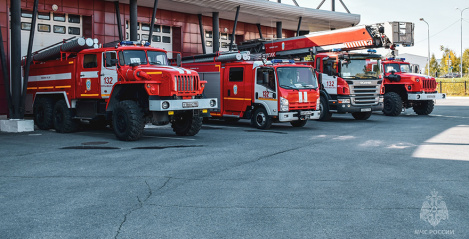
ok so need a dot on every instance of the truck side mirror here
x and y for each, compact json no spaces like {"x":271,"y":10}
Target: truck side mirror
{"x":178,"y":60}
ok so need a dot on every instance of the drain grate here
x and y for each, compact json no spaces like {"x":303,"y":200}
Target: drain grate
{"x":265,"y":131}
{"x":94,"y":143}
{"x":171,"y":146}
{"x":89,"y":147}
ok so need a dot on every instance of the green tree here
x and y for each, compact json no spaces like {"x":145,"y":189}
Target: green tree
{"x":465,"y":62}
{"x":433,"y":66}
{"x":449,"y":60}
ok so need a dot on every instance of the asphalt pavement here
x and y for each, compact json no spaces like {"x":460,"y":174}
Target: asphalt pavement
{"x":386,"y":177}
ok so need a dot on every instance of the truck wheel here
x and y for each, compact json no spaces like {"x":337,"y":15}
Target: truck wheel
{"x":43,"y":113}
{"x":63,"y":118}
{"x":127,"y":121}
{"x":260,"y":119}
{"x":298,"y":123}
{"x":187,"y":124}
{"x":361,"y":115}
{"x":424,"y":107}
{"x":325,"y":115}
{"x":392,"y":104}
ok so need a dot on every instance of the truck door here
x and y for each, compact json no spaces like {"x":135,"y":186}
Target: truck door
{"x":88,"y":84}
{"x":108,"y":73}
{"x":266,"y":89}
{"x":234,"y":90}
{"x":329,"y":75}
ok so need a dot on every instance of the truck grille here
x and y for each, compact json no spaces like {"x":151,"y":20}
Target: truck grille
{"x":187,"y":83}
{"x":363,"y":95}
{"x":429,"y":85}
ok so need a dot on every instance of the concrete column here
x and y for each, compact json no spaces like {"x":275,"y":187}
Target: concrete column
{"x":216,"y":31}
{"x":133,"y":24}
{"x":279,"y":29}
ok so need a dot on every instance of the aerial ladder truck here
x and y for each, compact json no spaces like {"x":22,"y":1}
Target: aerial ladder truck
{"x":351,"y":82}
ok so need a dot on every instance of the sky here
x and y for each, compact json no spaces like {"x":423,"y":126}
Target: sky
{"x":443,"y":18}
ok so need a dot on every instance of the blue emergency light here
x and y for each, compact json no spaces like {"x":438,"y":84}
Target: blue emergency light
{"x":131,"y":43}
{"x":282,"y":61}
{"x":371,"y":51}
{"x":336,"y":49}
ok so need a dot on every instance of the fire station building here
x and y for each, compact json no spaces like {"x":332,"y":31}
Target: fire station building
{"x":179,"y":25}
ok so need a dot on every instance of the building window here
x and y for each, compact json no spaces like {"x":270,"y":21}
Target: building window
{"x":127,"y":35}
{"x":157,"y":28}
{"x":27,"y":14}
{"x":43,"y":16}
{"x":90,"y":61}
{"x":138,"y":37}
{"x":59,"y":17}
{"x":156,"y":38}
{"x":43,"y":28}
{"x":145,"y":36}
{"x":225,"y":45}
{"x":208,"y":34}
{"x":73,"y":18}
{"x":26,"y":26}
{"x":236,"y":74}
{"x":208,"y":43}
{"x":166,"y":39}
{"x":166,"y":29}
{"x":74,"y":30}
{"x":224,"y":36}
{"x":146,"y":27}
{"x":59,"y":29}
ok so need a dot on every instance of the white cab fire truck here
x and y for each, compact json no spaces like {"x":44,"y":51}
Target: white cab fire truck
{"x":129,"y":84}
{"x":262,"y":91}
{"x":350,"y":82}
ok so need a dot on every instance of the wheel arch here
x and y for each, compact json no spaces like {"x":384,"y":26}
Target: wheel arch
{"x":122,"y":92}
{"x":56,"y":96}
{"x":398,"y":89}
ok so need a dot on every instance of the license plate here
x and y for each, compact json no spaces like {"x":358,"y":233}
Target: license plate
{"x":306,"y":112}
{"x":190,"y":104}
{"x":430,"y":96}
{"x":365,"y":110}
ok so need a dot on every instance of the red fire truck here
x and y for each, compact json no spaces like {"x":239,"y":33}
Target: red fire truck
{"x":405,"y":89}
{"x":129,"y":85}
{"x":263,"y":91}
{"x":350,"y":83}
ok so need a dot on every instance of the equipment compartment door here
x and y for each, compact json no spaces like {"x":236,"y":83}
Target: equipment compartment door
{"x":108,"y":73}
{"x":234,"y":90}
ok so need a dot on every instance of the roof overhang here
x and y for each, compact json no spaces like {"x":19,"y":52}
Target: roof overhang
{"x":267,"y":13}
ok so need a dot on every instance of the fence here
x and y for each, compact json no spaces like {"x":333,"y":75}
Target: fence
{"x":453,"y":88}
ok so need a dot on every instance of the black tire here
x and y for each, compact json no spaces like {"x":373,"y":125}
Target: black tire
{"x":298,"y":123}
{"x":424,"y":107}
{"x":392,"y":104}
{"x":361,"y":115}
{"x":127,"y":121}
{"x":325,"y":115}
{"x":43,"y":111}
{"x":260,"y":119}
{"x":63,"y":118}
{"x":186,"y":124}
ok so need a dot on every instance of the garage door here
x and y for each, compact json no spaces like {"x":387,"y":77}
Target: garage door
{"x":50,"y":29}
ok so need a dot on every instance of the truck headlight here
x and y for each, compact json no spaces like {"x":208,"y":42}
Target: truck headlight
{"x":213,"y":103}
{"x":165,"y":105}
{"x":284,"y":104}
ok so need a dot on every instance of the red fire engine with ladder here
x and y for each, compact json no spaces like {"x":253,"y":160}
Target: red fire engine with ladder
{"x":260,"y":90}
{"x":350,"y":82}
{"x":129,"y":84}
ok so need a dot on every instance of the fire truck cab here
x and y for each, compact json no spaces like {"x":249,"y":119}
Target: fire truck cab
{"x":129,"y":85}
{"x":405,"y":89}
{"x":351,"y":83}
{"x":263,"y":91}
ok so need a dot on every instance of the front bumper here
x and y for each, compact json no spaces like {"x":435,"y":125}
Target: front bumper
{"x":298,"y":115}
{"x":349,"y":108}
{"x":423,"y":96}
{"x":175,"y":105}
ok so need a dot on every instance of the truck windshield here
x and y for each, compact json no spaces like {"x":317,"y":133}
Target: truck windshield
{"x":129,"y":57}
{"x":397,"y":67}
{"x":296,"y":78}
{"x":360,"y":68}
{"x":157,"y":58}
